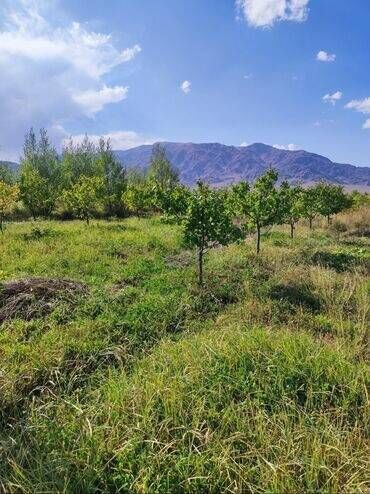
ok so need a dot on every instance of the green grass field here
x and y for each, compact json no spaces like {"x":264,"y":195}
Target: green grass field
{"x":145,"y":383}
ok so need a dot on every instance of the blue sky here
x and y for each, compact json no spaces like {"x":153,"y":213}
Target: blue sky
{"x":291,"y":73}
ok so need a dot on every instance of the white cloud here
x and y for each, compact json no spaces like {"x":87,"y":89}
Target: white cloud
{"x":243,"y":144}
{"x":362,"y":106}
{"x":332,"y":98}
{"x":120,"y":139}
{"x":52,"y":70}
{"x":248,"y":76}
{"x":186,"y":87}
{"x":94,"y":101}
{"x":324,"y":56}
{"x":287,"y":147}
{"x":264,"y":13}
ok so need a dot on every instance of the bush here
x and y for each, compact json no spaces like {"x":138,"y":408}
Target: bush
{"x":339,"y":260}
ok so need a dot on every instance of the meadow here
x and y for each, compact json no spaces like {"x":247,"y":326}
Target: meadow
{"x":138,"y":380}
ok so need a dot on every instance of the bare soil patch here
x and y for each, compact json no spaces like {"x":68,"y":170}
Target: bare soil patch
{"x":30,"y":298}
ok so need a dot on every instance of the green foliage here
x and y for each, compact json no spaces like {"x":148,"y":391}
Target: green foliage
{"x":340,"y":259}
{"x":151,"y":384}
{"x":114,"y":177}
{"x":6,"y":174}
{"x":85,"y":197}
{"x":207,"y":222}
{"x":258,"y":205}
{"x":9,"y":195}
{"x":35,"y":192}
{"x":173,"y":201}
{"x":40,"y":174}
{"x":331,"y":199}
{"x":359,"y":199}
{"x":290,"y":205}
{"x":80,"y":160}
{"x":161,"y":171}
{"x":139,"y":196}
{"x":310,"y":203}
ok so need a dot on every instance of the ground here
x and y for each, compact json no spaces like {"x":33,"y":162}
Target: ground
{"x":133,"y":379}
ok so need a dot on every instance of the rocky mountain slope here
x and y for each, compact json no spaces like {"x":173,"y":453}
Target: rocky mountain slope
{"x":219,"y":164}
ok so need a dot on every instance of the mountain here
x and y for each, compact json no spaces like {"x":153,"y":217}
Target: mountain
{"x":219,"y":165}
{"x":10,"y":164}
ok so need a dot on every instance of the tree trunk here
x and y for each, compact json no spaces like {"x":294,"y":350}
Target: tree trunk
{"x":329,"y":220}
{"x":87,"y":220}
{"x":1,"y":224}
{"x":200,"y":266}
{"x":292,"y":230}
{"x":258,"y":238}
{"x":310,"y":219}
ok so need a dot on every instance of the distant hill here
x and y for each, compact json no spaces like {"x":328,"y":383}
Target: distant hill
{"x":218,"y":164}
{"x":10,"y":164}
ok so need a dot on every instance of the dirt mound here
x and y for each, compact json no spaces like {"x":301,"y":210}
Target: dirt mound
{"x":30,"y":298}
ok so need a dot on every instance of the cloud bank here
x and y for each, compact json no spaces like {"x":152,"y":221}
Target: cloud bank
{"x":52,"y":72}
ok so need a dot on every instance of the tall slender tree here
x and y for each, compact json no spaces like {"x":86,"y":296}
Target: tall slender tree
{"x":114,"y":178}
{"x":161,"y":170}
{"x":40,"y":174}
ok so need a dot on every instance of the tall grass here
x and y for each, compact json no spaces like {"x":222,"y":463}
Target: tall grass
{"x":255,"y":383}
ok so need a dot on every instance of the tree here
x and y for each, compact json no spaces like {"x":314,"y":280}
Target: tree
{"x":79,"y":160}
{"x":331,"y":199}
{"x":173,"y":202}
{"x":35,"y":192}
{"x":161,"y":170}
{"x":138,"y":198}
{"x":291,"y":208}
{"x":6,"y":173}
{"x":114,"y":176}
{"x":85,"y":197}
{"x":359,"y":199}
{"x":257,"y":205}
{"x":310,"y":203}
{"x":8,"y":200}
{"x":39,"y":174}
{"x":206,"y":223}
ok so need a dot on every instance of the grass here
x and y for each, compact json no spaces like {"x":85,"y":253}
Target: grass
{"x":256,"y":383}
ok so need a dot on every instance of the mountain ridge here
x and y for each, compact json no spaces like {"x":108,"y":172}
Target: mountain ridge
{"x":219,"y":164}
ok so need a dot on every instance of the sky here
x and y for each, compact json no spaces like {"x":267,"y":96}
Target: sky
{"x":290,"y":73}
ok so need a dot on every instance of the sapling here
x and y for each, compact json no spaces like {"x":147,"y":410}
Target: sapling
{"x":207,"y":223}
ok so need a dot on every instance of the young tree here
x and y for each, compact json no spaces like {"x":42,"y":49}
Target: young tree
{"x":257,"y":205}
{"x":173,"y":202}
{"x":207,"y":223}
{"x":310,"y":204}
{"x":291,"y":208}
{"x":8,"y":200}
{"x":331,"y":199}
{"x":39,"y":174}
{"x":85,"y":197}
{"x":138,"y":197}
{"x":6,"y":173}
{"x":35,"y":192}
{"x":114,"y":176}
{"x":161,"y":170}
